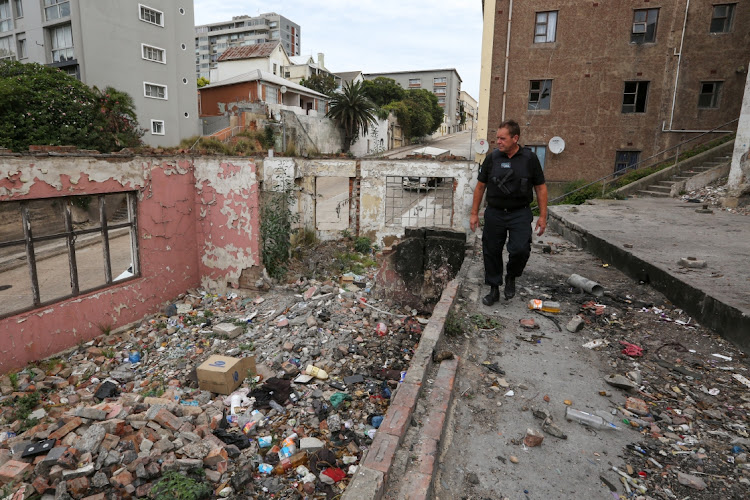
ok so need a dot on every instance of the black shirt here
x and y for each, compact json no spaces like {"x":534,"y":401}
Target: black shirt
{"x":510,"y":181}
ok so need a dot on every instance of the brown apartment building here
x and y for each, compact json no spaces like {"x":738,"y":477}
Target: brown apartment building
{"x":617,"y":80}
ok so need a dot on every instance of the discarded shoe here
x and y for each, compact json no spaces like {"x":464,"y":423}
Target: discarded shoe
{"x":491,"y":297}
{"x":510,"y":288}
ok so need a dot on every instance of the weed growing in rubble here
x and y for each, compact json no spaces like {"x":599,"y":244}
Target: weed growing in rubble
{"x":108,"y":353}
{"x":276,"y":221}
{"x":246,"y":347}
{"x":105,"y":328}
{"x":362,"y":244}
{"x":175,"y":486}
{"x":23,"y":407}
{"x":13,"y":377}
{"x":484,"y":322}
{"x":353,"y":262}
{"x":455,"y":324}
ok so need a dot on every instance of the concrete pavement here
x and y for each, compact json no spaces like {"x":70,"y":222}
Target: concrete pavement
{"x":647,"y":237}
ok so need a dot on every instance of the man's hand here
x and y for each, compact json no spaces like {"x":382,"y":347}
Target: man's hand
{"x":474,"y":222}
{"x":541,"y":225}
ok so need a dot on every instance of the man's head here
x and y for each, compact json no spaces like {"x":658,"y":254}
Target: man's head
{"x":508,"y":133}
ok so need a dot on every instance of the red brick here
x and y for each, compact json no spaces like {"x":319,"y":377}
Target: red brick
{"x":122,"y":479}
{"x":78,"y":486}
{"x":215,"y":456}
{"x":41,"y":485}
{"x":382,"y":450}
{"x":433,"y":424}
{"x":13,"y":470}
{"x":416,"y":486}
{"x":396,"y":421}
{"x":109,"y":442}
{"x":406,"y":395}
{"x":166,"y":419}
{"x":72,"y":425}
{"x":446,"y":375}
{"x":427,"y":454}
{"x":98,"y":496}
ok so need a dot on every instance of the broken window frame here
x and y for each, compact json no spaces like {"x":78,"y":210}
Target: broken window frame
{"x":637,"y":92}
{"x":709,"y":99}
{"x":69,"y":235}
{"x":540,"y":95}
{"x":625,"y":160}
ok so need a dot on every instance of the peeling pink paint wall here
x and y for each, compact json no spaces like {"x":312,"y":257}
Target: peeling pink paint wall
{"x":197,"y":224}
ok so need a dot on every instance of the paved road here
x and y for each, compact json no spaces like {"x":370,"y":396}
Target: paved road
{"x":459,"y":144}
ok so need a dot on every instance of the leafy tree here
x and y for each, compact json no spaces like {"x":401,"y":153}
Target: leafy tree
{"x":383,"y":91}
{"x":325,"y":84}
{"x":42,"y":105}
{"x":353,"y":110}
{"x":419,"y":113}
{"x":202,"y":82}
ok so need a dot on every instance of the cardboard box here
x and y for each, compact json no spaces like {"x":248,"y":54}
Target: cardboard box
{"x":223,"y":374}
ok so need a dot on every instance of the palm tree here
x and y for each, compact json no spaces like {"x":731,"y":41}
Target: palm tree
{"x":353,"y":110}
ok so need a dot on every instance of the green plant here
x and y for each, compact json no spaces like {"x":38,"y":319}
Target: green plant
{"x":362,"y":244}
{"x":346,"y":234}
{"x":291,"y":149}
{"x":268,"y":139}
{"x":354,"y":262}
{"x":81,"y":201}
{"x":276,"y":223}
{"x":105,"y":328}
{"x":13,"y":376}
{"x":246,"y":347}
{"x":353,"y":111}
{"x":455,"y":324}
{"x":202,"y":82}
{"x":307,"y":237}
{"x":175,"y":485}
{"x":25,"y":405}
{"x":484,"y":322}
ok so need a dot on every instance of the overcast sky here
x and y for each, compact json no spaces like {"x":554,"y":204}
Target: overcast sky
{"x":376,"y":35}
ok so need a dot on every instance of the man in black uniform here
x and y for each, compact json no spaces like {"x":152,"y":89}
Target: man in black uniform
{"x":509,"y":174}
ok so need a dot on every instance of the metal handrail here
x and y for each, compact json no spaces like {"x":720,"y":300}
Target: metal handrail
{"x":640,"y":164}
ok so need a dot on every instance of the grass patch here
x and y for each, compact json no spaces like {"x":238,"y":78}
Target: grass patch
{"x":175,"y":485}
{"x":484,"y":322}
{"x":353,"y":262}
{"x":455,"y":324}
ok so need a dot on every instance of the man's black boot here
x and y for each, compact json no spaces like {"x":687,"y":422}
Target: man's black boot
{"x":510,"y":288}
{"x":491,"y":297}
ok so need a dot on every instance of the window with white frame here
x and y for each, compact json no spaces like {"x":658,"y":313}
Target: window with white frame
{"x":62,"y":43}
{"x":56,"y":9}
{"x":19,"y":8}
{"x":6,"y":51}
{"x":6,"y":23}
{"x":545,"y":28}
{"x":154,"y":90}
{"x":151,"y":16}
{"x":440,"y":80}
{"x":709,"y":95}
{"x":155,"y":54}
{"x":721,"y":18}
{"x":21,"y":43}
{"x":157,"y":127}
{"x":415,"y":82}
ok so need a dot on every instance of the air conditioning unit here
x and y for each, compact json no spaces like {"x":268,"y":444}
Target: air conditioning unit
{"x":639,"y":28}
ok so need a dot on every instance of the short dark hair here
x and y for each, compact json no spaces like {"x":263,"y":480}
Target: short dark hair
{"x":512,"y":126}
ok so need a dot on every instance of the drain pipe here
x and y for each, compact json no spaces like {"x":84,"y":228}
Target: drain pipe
{"x":677,"y":73}
{"x":507,"y":55}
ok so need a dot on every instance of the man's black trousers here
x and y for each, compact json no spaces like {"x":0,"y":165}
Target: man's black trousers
{"x":501,"y":225}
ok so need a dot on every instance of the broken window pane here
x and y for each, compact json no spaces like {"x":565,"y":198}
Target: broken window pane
{"x":634,"y":97}
{"x":15,"y":284}
{"x":90,"y":262}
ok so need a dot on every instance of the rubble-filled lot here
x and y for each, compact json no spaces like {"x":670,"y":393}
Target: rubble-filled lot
{"x":678,"y":393}
{"x":122,"y":416}
{"x":712,"y":195}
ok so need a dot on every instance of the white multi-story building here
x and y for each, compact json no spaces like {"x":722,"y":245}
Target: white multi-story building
{"x":211,"y":40}
{"x":143,"y":49}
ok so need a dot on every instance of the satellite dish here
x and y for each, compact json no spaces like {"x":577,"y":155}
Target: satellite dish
{"x":556,"y":145}
{"x":481,"y":146}
{"x":283,"y":89}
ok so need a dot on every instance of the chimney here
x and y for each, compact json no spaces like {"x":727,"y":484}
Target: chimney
{"x":321,"y":60}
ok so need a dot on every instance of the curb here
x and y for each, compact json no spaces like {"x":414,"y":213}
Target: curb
{"x":725,"y":319}
{"x":371,"y":477}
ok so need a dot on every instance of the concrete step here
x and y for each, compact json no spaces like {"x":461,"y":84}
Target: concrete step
{"x":660,"y":189}
{"x":666,"y":183}
{"x":681,"y":178}
{"x":655,"y":194}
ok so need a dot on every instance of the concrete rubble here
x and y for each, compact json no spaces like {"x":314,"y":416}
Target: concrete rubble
{"x":118,"y":413}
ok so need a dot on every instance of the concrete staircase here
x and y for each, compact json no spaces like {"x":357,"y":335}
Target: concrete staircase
{"x":689,"y":175}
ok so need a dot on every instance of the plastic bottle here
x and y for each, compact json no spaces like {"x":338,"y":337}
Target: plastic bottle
{"x":588,"y":419}
{"x":276,"y":406}
{"x":235,"y":404}
{"x":544,"y":305}
{"x":290,"y":463}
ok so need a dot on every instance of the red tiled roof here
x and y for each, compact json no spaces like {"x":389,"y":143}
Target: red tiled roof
{"x":248,"y":51}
